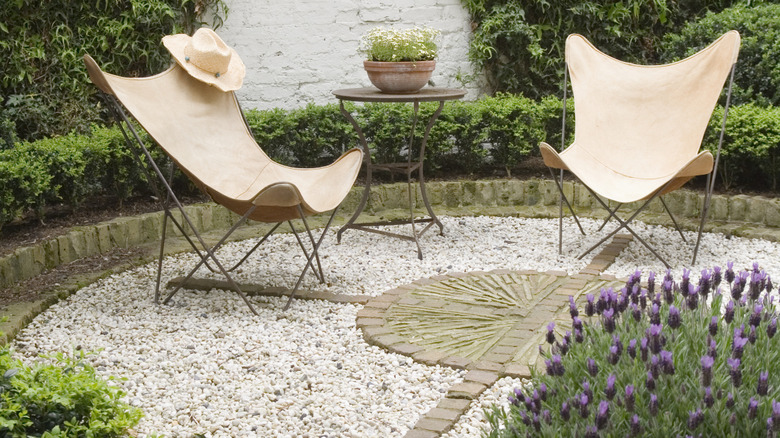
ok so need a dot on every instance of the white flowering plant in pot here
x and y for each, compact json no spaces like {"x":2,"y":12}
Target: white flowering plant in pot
{"x":400,"y":45}
{"x":400,"y":60}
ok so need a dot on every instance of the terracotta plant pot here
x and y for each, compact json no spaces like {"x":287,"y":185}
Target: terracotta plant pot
{"x":399,"y":77}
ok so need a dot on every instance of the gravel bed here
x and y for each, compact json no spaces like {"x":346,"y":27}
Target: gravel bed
{"x":206,"y":365}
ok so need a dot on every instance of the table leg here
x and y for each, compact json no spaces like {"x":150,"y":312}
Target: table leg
{"x":421,"y":177}
{"x":367,"y":160}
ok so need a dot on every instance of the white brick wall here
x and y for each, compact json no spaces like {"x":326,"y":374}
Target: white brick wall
{"x":298,"y":51}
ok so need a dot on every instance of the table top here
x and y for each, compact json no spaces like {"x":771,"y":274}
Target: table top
{"x":426,"y":94}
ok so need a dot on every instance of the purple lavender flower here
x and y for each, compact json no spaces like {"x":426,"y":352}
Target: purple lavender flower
{"x":608,"y":320}
{"x":654,"y":336}
{"x":736,"y":288}
{"x":610,"y":390}
{"x":655,"y":366}
{"x":752,"y":335}
{"x":602,"y":416}
{"x":613,"y":356}
{"x":708,"y":399}
{"x":705,"y":282}
{"x":735,"y":371}
{"x":551,"y":333}
{"x":593,"y":368}
{"x":655,"y":314}
{"x":632,"y":348}
{"x":650,"y":381}
{"x":667,"y":362}
{"x":694,"y":419}
{"x":653,"y":406}
{"x":643,"y":344}
{"x":635,"y":312}
{"x":557,"y":365}
{"x":562,"y":347}
{"x":738,"y":346}
{"x":776,"y":414}
{"x":651,"y":282}
{"x":629,"y":398}
{"x":537,"y":422}
{"x":752,"y":408}
{"x":757,"y":283}
{"x":706,"y":370}
{"x":513,"y":400}
{"x":578,"y":336}
{"x":586,"y":389}
{"x":713,"y":327}
{"x":547,"y":416}
{"x":768,"y":286}
{"x":713,"y":349}
{"x":686,"y":280}
{"x":643,"y":299}
{"x":763,"y":384}
{"x":770,"y":426}
{"x":729,"y":314}
{"x":717,"y":276}
{"x":755,"y":317}
{"x":771,"y":329}
{"x":591,"y":432}
{"x":583,"y":406}
{"x":573,"y":307}
{"x":729,"y":272}
{"x":674,"y":319}
{"x":524,"y":417}
{"x":529,"y":403}
{"x":590,"y":308}
{"x":565,"y":411}
{"x":667,"y":287}
{"x":730,"y":401}
{"x":542,"y":391}
{"x":693,"y":297}
{"x":636,"y":426}
{"x":576,"y":323}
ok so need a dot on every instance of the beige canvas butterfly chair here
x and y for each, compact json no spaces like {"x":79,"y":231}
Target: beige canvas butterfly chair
{"x":203,"y":130}
{"x":638,"y":129}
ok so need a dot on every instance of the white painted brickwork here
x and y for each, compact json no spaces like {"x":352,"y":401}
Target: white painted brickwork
{"x":298,"y":51}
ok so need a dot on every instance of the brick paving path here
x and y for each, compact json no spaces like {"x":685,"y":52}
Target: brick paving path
{"x":489,"y":323}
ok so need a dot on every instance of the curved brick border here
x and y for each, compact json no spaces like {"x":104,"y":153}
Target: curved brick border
{"x":509,"y":357}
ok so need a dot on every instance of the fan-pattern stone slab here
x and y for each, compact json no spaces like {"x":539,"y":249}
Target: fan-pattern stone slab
{"x":489,"y":323}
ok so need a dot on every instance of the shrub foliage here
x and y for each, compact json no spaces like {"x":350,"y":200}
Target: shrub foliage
{"x":65,"y":398}
{"x":44,"y":89}
{"x":520,"y":44}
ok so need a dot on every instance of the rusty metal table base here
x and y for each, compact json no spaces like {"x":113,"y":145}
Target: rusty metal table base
{"x":408,"y":168}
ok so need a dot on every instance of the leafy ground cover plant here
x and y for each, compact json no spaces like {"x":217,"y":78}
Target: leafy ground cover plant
{"x":660,"y":358}
{"x":65,"y":398}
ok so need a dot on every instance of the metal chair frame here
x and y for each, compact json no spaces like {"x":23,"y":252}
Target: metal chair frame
{"x":612,"y":213}
{"x":166,"y":196}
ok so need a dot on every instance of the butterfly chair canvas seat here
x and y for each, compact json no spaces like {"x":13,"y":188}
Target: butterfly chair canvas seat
{"x":202,"y":129}
{"x":638,"y":129}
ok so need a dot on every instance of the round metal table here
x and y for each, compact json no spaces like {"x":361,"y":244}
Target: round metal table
{"x":372,"y":94}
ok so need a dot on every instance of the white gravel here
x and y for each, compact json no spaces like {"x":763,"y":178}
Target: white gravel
{"x":206,"y":365}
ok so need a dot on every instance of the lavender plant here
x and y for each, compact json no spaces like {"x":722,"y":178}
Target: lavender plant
{"x":676,"y":358}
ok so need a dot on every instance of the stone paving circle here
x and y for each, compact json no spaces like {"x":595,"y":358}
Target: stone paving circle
{"x":489,"y":323}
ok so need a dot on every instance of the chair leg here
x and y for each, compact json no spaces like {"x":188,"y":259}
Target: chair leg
{"x":563,"y":200}
{"x":624,"y":224}
{"x":251,"y":251}
{"x":317,"y":272}
{"x":674,"y":221}
{"x":310,"y":258}
{"x":704,"y":211}
{"x":210,"y":255}
{"x":611,"y":214}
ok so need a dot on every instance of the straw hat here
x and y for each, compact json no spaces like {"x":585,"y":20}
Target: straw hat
{"x":207,"y":58}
